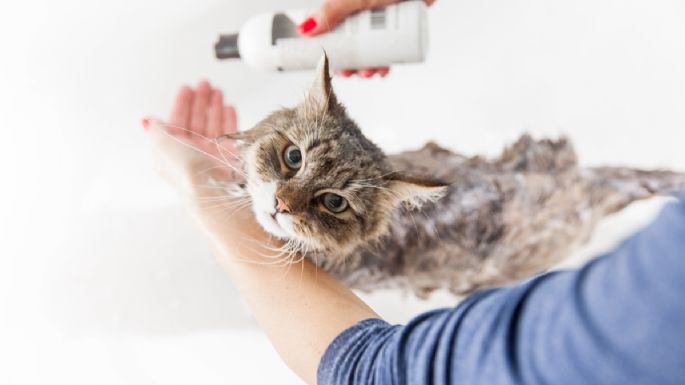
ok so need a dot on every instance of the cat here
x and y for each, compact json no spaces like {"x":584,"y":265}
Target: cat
{"x":429,"y":218}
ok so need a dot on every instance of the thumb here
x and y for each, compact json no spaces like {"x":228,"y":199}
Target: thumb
{"x":333,"y":12}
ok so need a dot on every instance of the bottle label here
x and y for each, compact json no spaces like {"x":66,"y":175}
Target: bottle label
{"x":342,"y":43}
{"x":378,"y":18}
{"x":282,"y":27}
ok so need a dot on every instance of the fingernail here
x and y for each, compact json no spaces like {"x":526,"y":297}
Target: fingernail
{"x":306,"y":25}
{"x":366,"y":73}
{"x":146,"y":123}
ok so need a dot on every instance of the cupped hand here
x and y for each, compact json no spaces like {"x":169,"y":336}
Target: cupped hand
{"x":332,"y":12}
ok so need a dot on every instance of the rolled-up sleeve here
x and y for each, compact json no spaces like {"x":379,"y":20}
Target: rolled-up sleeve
{"x":620,"y":319}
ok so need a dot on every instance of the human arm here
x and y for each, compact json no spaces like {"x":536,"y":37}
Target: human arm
{"x":299,"y":307}
{"x":618,"y":320}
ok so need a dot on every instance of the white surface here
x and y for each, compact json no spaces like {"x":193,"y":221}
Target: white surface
{"x":103,"y":279}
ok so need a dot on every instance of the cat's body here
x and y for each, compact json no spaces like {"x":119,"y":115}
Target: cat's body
{"x":429,"y":218}
{"x":501,"y":220}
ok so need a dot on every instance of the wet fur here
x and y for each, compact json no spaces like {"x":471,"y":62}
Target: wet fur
{"x":429,"y":218}
{"x":501,"y":220}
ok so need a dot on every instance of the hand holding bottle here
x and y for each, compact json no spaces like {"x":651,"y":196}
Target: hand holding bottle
{"x":331,"y":12}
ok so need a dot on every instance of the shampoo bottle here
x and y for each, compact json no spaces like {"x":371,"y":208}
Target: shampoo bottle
{"x":374,"y":38}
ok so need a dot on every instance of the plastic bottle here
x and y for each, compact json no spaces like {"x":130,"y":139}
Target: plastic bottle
{"x":374,"y":38}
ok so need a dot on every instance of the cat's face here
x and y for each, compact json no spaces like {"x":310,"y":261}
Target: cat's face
{"x":316,"y":180}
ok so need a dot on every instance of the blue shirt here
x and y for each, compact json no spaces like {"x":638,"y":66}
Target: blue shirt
{"x":620,"y":319}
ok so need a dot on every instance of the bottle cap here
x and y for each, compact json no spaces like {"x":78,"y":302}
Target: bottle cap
{"x":227,"y":47}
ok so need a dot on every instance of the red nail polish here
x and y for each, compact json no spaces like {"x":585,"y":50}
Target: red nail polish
{"x":366,"y":73}
{"x":307,"y":25}
{"x":146,"y":123}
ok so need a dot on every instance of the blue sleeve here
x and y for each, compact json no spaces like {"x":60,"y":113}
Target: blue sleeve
{"x":620,"y":319}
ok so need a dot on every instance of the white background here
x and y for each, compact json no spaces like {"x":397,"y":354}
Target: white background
{"x":104,"y":279}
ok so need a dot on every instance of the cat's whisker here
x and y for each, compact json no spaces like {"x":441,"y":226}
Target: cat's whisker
{"x":208,"y":169}
{"x":224,"y":205}
{"x":214,"y":185}
{"x":194,"y":133}
{"x":224,"y":208}
{"x":228,"y":199}
{"x":261,"y":244}
{"x":304,"y":252}
{"x":222,"y":197}
{"x":290,"y":252}
{"x":237,"y":208}
{"x":253,"y":262}
{"x":218,"y":140}
{"x":181,"y":141}
{"x":254,"y":241}
{"x":281,"y":259}
{"x":208,"y":140}
{"x":213,"y":140}
{"x":220,"y":193}
{"x":218,"y":148}
{"x":209,"y":205}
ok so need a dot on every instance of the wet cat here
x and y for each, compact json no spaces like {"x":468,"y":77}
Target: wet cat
{"x":429,"y":218}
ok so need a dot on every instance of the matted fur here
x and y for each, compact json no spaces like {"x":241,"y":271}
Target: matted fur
{"x":428,"y":218}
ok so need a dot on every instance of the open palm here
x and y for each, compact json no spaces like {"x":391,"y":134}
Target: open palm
{"x":190,"y":146}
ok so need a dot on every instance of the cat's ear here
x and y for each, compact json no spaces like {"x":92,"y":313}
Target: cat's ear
{"x":321,"y":92}
{"x":414,"y":191}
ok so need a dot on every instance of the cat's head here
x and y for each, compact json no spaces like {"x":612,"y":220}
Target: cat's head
{"x":316,"y":179}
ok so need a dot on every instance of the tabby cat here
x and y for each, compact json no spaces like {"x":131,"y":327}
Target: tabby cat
{"x":429,"y":218}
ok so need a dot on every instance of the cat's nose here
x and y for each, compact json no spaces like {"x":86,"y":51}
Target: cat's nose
{"x":281,"y":206}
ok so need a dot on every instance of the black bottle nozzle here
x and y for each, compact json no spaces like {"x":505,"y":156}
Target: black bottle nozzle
{"x":227,"y":47}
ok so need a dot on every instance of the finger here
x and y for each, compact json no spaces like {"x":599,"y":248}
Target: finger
{"x":216,"y":113}
{"x":367,"y":72}
{"x":429,"y":2}
{"x":383,"y":71}
{"x":230,"y":125}
{"x":332,"y":12}
{"x":198,"y":120}
{"x":347,"y":73}
{"x":180,"y":113}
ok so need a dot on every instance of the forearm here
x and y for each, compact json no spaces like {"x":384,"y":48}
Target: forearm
{"x":300,"y":308}
{"x":618,"y":320}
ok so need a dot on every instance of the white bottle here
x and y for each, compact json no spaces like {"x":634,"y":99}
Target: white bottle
{"x":373,"y":38}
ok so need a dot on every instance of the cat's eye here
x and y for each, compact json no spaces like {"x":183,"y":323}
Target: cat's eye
{"x":334,"y":202}
{"x":292,"y":157}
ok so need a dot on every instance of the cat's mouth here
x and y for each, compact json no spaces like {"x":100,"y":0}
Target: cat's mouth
{"x":281,"y":221}
{"x":274,"y":223}
{"x":274,"y":219}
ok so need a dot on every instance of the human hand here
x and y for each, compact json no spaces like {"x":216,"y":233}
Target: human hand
{"x":188,"y":145}
{"x":331,"y":12}
{"x":204,"y":167}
